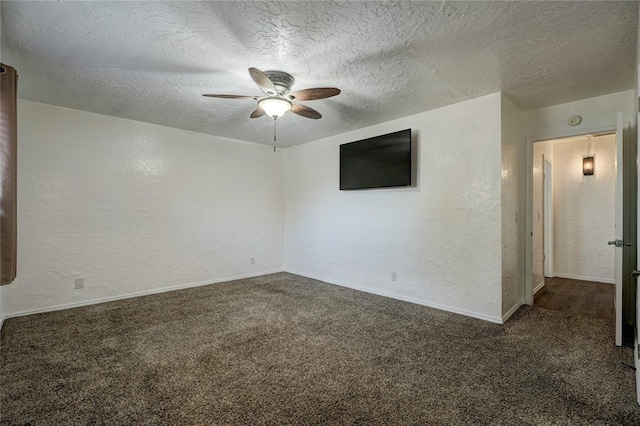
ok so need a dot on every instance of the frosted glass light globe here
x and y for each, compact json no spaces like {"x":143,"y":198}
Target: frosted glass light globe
{"x":275,"y":106}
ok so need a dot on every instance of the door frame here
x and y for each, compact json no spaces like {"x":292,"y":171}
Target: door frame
{"x":634,"y":281}
{"x":547,"y":220}
{"x":528,"y":246}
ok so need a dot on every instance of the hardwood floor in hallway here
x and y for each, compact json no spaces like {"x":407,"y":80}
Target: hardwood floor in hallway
{"x":578,"y":297}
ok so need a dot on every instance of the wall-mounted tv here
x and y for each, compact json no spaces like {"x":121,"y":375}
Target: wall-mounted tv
{"x":378,"y":162}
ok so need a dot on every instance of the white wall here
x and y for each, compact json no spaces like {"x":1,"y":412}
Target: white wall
{"x":132,"y":207}
{"x":442,"y":237}
{"x":584,"y":209}
{"x":512,"y":207}
{"x":597,"y":113}
{"x":541,"y":151}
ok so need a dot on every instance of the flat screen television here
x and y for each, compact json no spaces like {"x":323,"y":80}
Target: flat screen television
{"x":378,"y":162}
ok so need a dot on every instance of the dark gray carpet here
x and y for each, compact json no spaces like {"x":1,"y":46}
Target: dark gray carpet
{"x":283,"y":349}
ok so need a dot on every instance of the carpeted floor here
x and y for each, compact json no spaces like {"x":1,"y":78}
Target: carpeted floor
{"x":283,"y":349}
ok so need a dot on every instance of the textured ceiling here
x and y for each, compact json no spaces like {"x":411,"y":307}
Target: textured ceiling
{"x":151,"y":61}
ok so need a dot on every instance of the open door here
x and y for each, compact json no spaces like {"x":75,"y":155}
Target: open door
{"x":618,"y":242}
{"x":547,"y":197}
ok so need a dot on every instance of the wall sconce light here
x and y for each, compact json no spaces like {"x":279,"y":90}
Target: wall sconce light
{"x":588,"y":166}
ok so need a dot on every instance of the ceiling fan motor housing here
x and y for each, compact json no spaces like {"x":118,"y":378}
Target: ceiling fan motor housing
{"x":282,"y":80}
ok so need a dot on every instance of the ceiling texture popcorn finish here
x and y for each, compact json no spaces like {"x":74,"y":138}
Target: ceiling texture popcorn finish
{"x":151,"y":61}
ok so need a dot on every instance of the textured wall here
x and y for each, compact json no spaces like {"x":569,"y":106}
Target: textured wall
{"x":512,"y":206}
{"x":442,"y":237}
{"x":133,"y":207}
{"x":541,"y":151}
{"x":597,"y":113}
{"x":584,"y":210}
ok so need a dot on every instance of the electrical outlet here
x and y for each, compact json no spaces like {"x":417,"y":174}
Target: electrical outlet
{"x":79,"y":283}
{"x":252,"y":261}
{"x":394,"y":277}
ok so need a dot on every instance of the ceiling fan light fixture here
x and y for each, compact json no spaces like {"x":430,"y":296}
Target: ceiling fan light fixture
{"x":275,"y":106}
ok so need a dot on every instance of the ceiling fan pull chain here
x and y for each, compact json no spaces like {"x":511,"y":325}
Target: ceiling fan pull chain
{"x":274,"y":134}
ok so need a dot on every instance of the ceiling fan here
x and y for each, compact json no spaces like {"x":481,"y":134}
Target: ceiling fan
{"x":276,"y":85}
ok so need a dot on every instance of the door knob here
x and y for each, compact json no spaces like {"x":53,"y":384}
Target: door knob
{"x":618,"y":243}
{"x":635,"y":273}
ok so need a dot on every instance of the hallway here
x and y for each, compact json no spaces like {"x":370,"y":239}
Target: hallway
{"x":577,"y":297}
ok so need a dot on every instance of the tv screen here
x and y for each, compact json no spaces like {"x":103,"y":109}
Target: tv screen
{"x":379,"y":162}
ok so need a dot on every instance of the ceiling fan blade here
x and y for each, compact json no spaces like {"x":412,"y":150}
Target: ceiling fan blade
{"x":315,"y":93}
{"x":263,"y":82}
{"x":257,"y":113}
{"x":232,"y":96}
{"x":305,"y":111}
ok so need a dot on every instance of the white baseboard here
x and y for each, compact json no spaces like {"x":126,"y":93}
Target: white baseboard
{"x":135,"y":294}
{"x":583,"y":278}
{"x":511,"y":311}
{"x":400,"y":297}
{"x":538,"y":288}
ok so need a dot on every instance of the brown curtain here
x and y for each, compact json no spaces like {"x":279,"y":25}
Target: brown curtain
{"x":8,"y":196}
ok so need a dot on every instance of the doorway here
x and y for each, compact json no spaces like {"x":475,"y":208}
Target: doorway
{"x":574,"y":215}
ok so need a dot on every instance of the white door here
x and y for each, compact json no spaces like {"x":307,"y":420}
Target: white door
{"x":619,"y":244}
{"x":548,"y":219}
